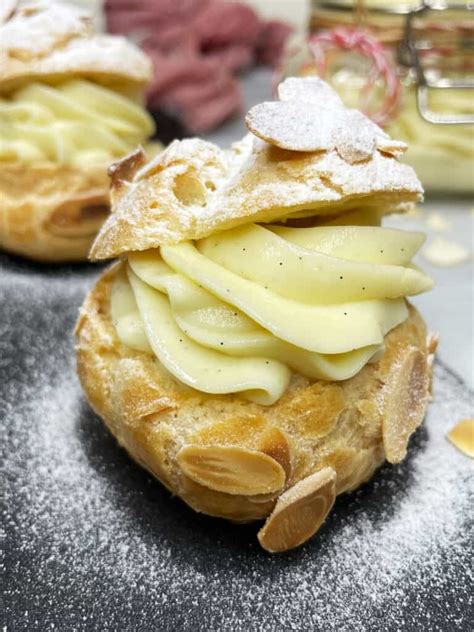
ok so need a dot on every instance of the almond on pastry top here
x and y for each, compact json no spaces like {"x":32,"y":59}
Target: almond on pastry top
{"x":194,"y":188}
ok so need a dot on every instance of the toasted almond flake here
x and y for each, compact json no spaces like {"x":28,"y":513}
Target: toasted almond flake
{"x":431,"y":346}
{"x":288,"y":125}
{"x":443,"y":253}
{"x":274,"y":443}
{"x":229,"y":506}
{"x":310,"y":117}
{"x":432,"y":342}
{"x":232,"y":470}
{"x":404,"y":403}
{"x":389,"y":146}
{"x":81,"y":216}
{"x":299,"y":512}
{"x":462,"y":436}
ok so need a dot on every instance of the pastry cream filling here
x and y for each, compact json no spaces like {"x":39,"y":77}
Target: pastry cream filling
{"x":241,"y":310}
{"x":74,"y":123}
{"x":441,"y":154}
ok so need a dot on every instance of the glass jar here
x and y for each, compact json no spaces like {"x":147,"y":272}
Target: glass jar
{"x":407,"y":65}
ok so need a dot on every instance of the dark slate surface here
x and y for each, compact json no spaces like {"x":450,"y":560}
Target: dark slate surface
{"x":93,"y":543}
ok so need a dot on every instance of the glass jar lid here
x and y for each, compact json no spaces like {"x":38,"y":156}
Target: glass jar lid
{"x":432,"y":40}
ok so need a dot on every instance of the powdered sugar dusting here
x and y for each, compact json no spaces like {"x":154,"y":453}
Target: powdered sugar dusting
{"x":311,"y":117}
{"x":46,"y":27}
{"x":51,"y":39}
{"x":93,"y":542}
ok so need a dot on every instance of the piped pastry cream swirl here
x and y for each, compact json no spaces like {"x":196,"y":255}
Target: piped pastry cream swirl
{"x":76,"y":123}
{"x":241,"y":310}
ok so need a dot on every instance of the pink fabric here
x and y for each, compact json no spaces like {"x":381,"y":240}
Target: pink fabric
{"x":197,"y":47}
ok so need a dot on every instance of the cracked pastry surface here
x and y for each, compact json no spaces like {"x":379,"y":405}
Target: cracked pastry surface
{"x":254,"y":348}
{"x":69,"y":106}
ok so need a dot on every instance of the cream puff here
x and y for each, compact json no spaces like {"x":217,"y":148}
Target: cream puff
{"x":253,"y":348}
{"x":70,"y":104}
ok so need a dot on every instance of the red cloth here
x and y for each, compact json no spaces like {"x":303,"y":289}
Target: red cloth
{"x":197,"y":46}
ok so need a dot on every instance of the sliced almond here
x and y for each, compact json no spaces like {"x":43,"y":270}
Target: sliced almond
{"x":389,"y":146}
{"x":291,"y":125}
{"x":253,"y":433}
{"x":317,"y":409}
{"x":124,"y":169}
{"x":431,"y":346}
{"x":232,"y":470}
{"x":275,"y":444}
{"x":311,"y":117}
{"x":405,"y":397}
{"x":78,"y":217}
{"x":229,"y":506}
{"x":299,"y":512}
{"x":143,"y":400}
{"x":264,"y":499}
{"x":432,"y":343}
{"x":462,"y":436}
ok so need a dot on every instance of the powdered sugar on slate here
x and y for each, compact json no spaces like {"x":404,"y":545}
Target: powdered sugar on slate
{"x":92,"y":542}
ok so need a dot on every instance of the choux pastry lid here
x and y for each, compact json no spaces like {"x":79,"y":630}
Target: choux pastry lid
{"x":307,"y":155}
{"x":48,"y":41}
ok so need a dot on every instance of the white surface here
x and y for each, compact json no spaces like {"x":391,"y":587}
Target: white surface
{"x":449,"y":308}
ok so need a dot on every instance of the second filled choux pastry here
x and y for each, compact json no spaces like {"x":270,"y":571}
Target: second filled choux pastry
{"x":70,"y":104}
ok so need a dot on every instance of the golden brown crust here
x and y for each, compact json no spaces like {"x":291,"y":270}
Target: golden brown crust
{"x":48,"y":42}
{"x":347,"y":427}
{"x":51,"y":212}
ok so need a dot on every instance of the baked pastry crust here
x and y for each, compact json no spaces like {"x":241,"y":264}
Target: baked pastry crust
{"x":194,"y":189}
{"x":231,"y":458}
{"x":51,"y":212}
